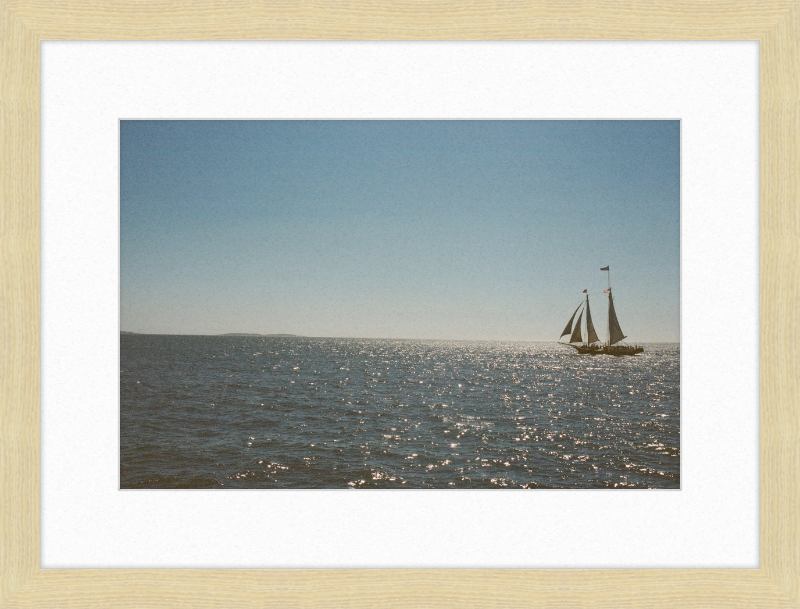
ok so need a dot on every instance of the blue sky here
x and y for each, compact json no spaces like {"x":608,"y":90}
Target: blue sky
{"x":398,"y":229}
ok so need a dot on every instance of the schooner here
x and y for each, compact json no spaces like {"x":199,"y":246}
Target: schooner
{"x":592,"y":344}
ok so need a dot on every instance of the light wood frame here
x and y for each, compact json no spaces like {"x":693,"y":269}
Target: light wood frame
{"x":774,"y":23}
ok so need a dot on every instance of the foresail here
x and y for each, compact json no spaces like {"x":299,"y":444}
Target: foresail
{"x":568,"y":329}
{"x":614,"y":331}
{"x":592,"y":338}
{"x":576,"y":333}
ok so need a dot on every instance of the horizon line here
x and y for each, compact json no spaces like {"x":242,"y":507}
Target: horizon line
{"x":284,"y":335}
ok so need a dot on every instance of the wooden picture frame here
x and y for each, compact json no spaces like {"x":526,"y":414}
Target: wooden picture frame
{"x":774,"y":23}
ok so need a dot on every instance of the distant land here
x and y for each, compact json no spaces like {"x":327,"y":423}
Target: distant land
{"x":248,"y":334}
{"x":228,"y":334}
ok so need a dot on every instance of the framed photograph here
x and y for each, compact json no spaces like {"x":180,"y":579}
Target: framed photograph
{"x":246,"y":354}
{"x":360,"y":291}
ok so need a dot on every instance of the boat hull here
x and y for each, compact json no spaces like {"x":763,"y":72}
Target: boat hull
{"x":615,"y":350}
{"x":618,"y":350}
{"x":588,"y":349}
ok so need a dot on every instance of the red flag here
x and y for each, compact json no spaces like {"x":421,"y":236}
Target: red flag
{"x":606,"y":291}
{"x":584,"y":291}
{"x":605,"y":268}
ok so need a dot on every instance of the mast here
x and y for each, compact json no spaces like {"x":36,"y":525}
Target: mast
{"x":607,"y":269}
{"x":608,"y":275}
{"x":587,"y":317}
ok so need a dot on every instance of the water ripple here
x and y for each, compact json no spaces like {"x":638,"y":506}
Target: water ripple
{"x":267,"y":412}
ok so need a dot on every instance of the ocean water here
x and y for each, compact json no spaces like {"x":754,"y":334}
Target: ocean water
{"x":286,"y":412}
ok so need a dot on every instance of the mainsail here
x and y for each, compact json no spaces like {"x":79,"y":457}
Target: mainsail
{"x":614,"y":331}
{"x":592,"y":338}
{"x":576,"y":333}
{"x":568,"y":328}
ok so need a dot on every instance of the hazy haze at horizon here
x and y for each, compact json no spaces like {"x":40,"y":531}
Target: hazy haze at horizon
{"x":484,"y":230}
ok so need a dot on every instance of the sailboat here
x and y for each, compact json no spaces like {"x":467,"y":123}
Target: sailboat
{"x":592,"y":344}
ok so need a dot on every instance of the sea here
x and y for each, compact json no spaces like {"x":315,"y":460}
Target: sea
{"x":272,"y":412}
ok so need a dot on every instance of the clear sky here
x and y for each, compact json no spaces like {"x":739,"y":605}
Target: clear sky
{"x":399,"y":229}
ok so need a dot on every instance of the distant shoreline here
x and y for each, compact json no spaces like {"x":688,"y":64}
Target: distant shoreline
{"x":227,"y":334}
{"x":448,"y":340}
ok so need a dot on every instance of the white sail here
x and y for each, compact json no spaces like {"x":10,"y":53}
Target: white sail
{"x":614,"y":331}
{"x":592,"y":335}
{"x":576,"y":333}
{"x":568,"y":328}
